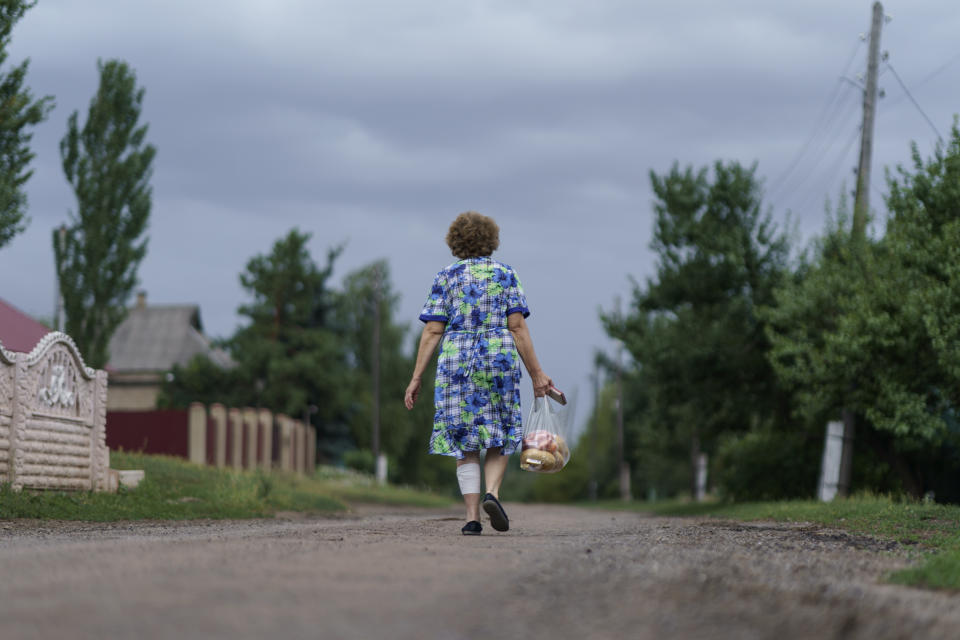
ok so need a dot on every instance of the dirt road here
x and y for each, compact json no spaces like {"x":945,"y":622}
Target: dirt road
{"x":558,"y":573}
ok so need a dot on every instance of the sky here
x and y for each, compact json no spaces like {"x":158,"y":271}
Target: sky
{"x":374,"y":123}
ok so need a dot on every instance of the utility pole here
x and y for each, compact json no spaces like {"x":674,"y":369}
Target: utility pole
{"x":861,"y":207}
{"x":592,"y":486}
{"x":624,"y":466}
{"x":375,"y":375}
{"x":862,"y":199}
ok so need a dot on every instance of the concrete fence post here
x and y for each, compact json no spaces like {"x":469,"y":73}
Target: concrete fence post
{"x":197,"y":426}
{"x":249,"y":438}
{"x":265,"y":419}
{"x":9,"y":413}
{"x":218,"y":413}
{"x":286,"y":429}
{"x":301,"y":448}
{"x":311,"y":450}
{"x":236,"y":438}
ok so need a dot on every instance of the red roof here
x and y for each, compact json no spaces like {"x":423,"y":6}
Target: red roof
{"x":18,"y":331}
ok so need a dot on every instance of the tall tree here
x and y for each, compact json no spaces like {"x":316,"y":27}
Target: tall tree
{"x":290,"y":355}
{"x":403,"y":434}
{"x":108,"y":165}
{"x":18,"y":112}
{"x":694,"y":331}
{"x":871,"y":326}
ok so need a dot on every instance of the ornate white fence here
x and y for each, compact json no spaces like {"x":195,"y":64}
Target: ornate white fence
{"x":52,"y":419}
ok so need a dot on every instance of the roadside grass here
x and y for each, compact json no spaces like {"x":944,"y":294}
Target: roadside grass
{"x":934,"y":529}
{"x":175,"y":489}
{"x":353,"y":487}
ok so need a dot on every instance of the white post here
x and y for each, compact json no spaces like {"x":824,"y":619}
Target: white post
{"x":382,"y":468}
{"x":701,"y":477}
{"x":830,"y":467}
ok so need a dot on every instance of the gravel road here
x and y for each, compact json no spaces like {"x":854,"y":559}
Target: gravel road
{"x":559,"y":573}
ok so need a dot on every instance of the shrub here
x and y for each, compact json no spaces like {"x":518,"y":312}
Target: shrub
{"x":768,"y":465}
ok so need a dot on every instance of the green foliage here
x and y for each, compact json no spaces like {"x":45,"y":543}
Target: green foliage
{"x":940,"y":571}
{"x":202,"y":380}
{"x":360,"y":460}
{"x":802,"y":323}
{"x":403,"y":434}
{"x":768,"y":465}
{"x":108,"y":166}
{"x":290,"y":355}
{"x":871,"y":326}
{"x":694,"y":333}
{"x":309,"y":344}
{"x":368,"y":298}
{"x":18,"y":112}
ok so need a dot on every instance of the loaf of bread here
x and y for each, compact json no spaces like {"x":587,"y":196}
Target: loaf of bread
{"x":544,"y":452}
{"x":537,"y":460}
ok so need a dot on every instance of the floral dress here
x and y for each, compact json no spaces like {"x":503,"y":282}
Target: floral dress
{"x":477,"y":391}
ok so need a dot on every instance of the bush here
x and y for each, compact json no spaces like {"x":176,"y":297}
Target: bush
{"x":768,"y":465}
{"x":360,"y":460}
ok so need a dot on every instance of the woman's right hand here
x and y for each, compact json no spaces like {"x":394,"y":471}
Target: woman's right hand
{"x":541,"y":384}
{"x":413,"y":390}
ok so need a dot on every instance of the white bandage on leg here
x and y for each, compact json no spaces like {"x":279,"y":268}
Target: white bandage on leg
{"x":468,"y":475}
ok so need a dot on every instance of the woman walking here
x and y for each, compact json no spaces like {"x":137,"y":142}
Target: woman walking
{"x":477,"y":310}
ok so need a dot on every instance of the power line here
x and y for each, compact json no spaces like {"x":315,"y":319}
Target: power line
{"x":937,"y":71}
{"x":820,"y":122}
{"x":930,"y":76}
{"x":915,"y":103}
{"x":831,"y":172}
{"x":823,"y":150}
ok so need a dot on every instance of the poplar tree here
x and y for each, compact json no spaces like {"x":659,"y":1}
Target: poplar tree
{"x":18,"y":112}
{"x":108,"y":165}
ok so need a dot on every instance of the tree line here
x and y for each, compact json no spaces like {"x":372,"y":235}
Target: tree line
{"x":306,"y":349}
{"x":108,"y":164}
{"x":744,"y":346}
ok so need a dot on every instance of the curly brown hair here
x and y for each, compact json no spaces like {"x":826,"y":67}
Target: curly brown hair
{"x":473,"y":235}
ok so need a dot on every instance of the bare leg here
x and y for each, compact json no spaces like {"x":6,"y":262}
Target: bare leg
{"x":494,"y":469}
{"x":471,"y":500}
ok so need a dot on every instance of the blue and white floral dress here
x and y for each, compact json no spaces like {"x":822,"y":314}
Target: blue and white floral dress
{"x":477,"y":392}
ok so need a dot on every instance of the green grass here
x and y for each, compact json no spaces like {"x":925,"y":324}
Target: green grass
{"x":934,"y":529}
{"x":352,"y":487}
{"x":174,"y":489}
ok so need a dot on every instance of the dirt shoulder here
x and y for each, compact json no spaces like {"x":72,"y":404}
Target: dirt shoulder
{"x":558,"y":573}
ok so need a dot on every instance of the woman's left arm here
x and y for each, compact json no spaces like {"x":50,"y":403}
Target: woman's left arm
{"x":429,"y":339}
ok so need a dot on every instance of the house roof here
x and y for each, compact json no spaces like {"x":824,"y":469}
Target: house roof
{"x":154,"y":338}
{"x":18,"y":331}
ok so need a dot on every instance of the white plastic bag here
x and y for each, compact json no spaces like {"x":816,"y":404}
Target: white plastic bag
{"x":544,"y":449}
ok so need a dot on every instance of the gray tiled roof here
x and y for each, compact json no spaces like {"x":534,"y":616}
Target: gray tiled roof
{"x":154,"y":338}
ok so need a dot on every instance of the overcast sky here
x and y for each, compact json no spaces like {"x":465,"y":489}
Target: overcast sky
{"x":373,"y":123}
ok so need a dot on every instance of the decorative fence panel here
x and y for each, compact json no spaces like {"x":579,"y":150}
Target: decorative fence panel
{"x":52,"y":419}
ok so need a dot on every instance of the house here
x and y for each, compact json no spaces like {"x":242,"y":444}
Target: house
{"x":18,"y":331}
{"x":149,"y":342}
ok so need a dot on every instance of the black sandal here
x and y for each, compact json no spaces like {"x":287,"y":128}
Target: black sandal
{"x":472,"y":528}
{"x":498,"y":517}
